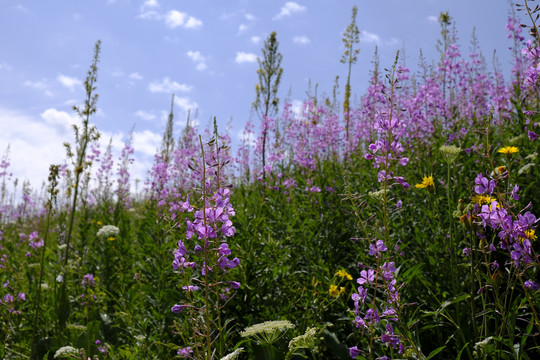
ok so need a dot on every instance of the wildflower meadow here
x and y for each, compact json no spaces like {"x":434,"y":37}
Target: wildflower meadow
{"x":399,"y":223}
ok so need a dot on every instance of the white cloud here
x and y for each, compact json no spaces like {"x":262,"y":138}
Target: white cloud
{"x":289,"y":9}
{"x":41,"y":85}
{"x":250,"y":17}
{"x":247,"y":137}
{"x":227,"y":16}
{"x":366,"y":36}
{"x":433,"y":18}
{"x":150,"y":4}
{"x":242,"y":28}
{"x":196,"y":56}
{"x":185,"y":104}
{"x":243,"y":57}
{"x":148,"y":10}
{"x":135,"y":76}
{"x":37,"y":142}
{"x":4,"y":66}
{"x":70,"y":82}
{"x":199,"y":59}
{"x":302,"y":40}
{"x":168,"y":86}
{"x":255,"y":39}
{"x":21,"y":8}
{"x":60,"y":120}
{"x":193,"y":23}
{"x":175,"y":18}
{"x":146,"y":142}
{"x":297,"y":107}
{"x":34,"y":143}
{"x":201,"y":67}
{"x":150,"y":15}
{"x":145,"y":115}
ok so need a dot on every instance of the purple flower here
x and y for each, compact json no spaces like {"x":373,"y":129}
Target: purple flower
{"x":484,"y":186}
{"x":224,"y":249}
{"x":388,"y":270}
{"x":354,"y":352}
{"x":372,"y":315}
{"x":88,"y":280}
{"x":403,"y":161}
{"x":225,"y":263}
{"x":392,"y":314}
{"x":390,"y":339}
{"x":185,"y":352}
{"x":529,"y":284}
{"x":177,"y":308}
{"x":234,"y":284}
{"x":532,"y":135}
{"x":377,"y":248}
{"x":514,"y":193}
{"x":190,"y":288}
{"x":366,"y":277}
{"x":360,"y":296}
{"x":359,"y":322}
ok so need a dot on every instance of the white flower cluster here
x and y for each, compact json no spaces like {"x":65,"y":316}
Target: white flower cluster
{"x":305,"y":341}
{"x":233,"y":355}
{"x":108,"y":231}
{"x":450,"y":152}
{"x":65,"y":352}
{"x":267,"y":327}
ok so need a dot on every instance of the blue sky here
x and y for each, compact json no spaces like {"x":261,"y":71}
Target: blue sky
{"x":203,"y":51}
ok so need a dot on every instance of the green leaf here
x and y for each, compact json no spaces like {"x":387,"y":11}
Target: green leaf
{"x":458,"y":357}
{"x":436,"y":351}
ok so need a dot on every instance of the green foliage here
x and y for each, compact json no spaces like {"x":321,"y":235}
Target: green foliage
{"x":269,"y":73}
{"x":266,"y":100}
{"x":351,"y":37}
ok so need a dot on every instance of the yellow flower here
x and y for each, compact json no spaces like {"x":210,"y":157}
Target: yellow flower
{"x":482,"y":199}
{"x":344,"y":274}
{"x":334,"y":291}
{"x":509,"y":150}
{"x":426,"y":182}
{"x":99,"y":223}
{"x":112,"y":238}
{"x":529,"y":235}
{"x":501,"y":169}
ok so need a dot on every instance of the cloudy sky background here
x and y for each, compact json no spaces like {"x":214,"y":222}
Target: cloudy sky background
{"x":205,"y":52}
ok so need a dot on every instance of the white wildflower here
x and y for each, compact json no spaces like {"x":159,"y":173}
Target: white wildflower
{"x":268,"y":332}
{"x":305,"y":341}
{"x":233,"y":355}
{"x":65,"y":352}
{"x":108,"y":231}
{"x":450,"y":152}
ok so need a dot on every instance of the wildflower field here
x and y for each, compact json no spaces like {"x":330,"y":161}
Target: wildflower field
{"x":398,"y":226}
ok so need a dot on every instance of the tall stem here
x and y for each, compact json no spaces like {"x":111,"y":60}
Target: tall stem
{"x":208,"y":354}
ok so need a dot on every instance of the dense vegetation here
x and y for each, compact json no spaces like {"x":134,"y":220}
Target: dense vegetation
{"x":401,"y":226}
